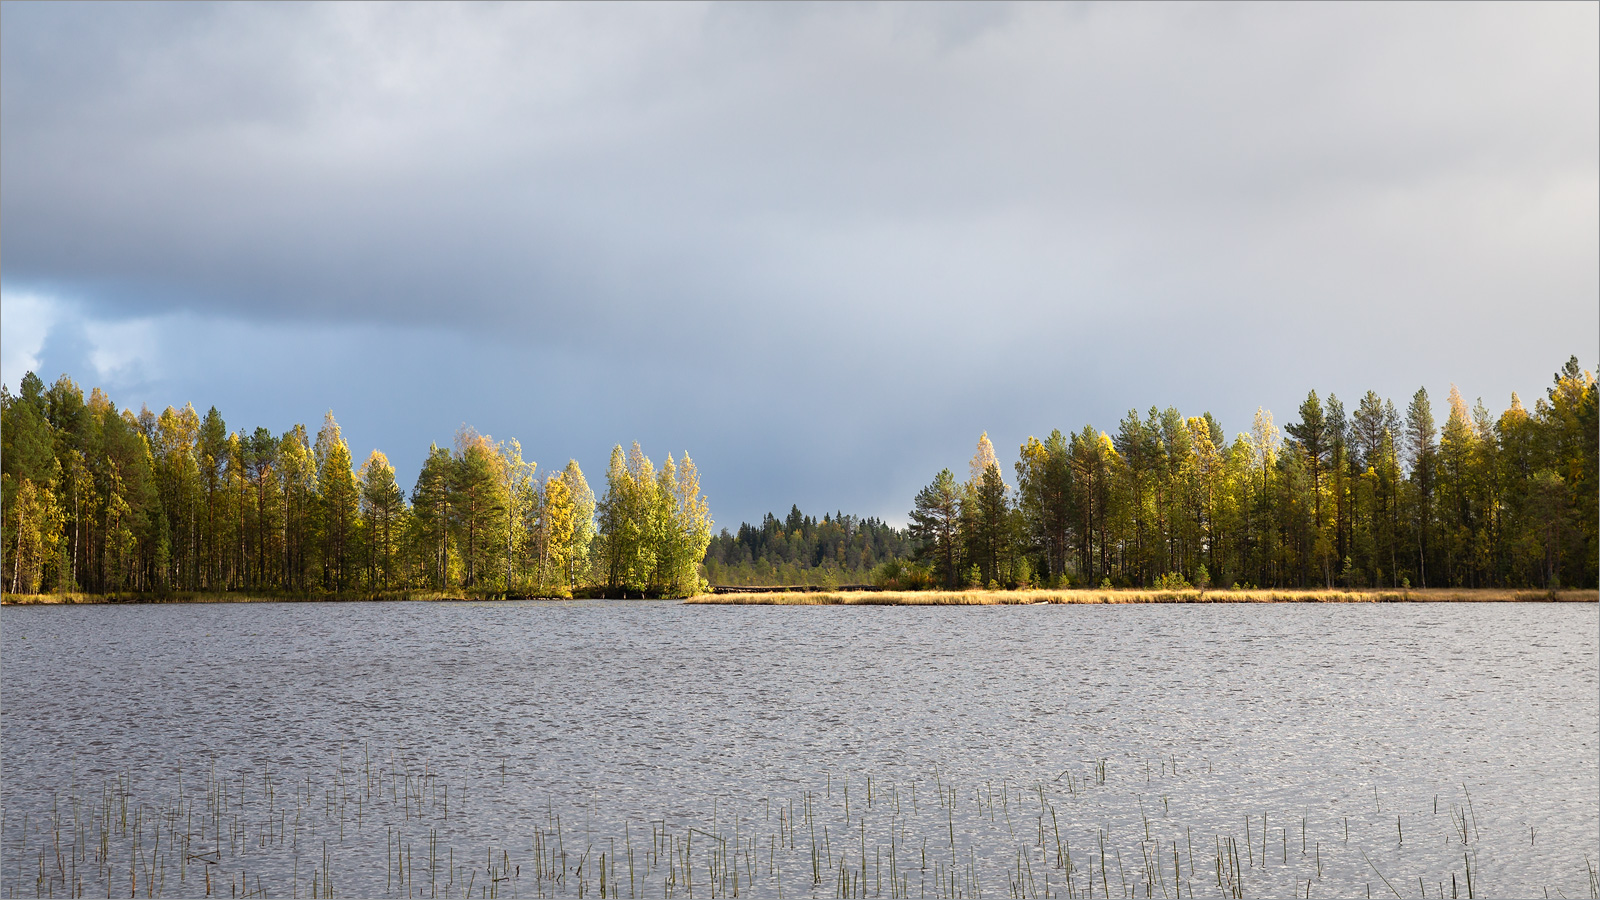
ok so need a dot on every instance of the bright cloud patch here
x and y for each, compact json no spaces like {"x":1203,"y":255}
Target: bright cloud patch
{"x":25,"y":321}
{"x":124,"y":352}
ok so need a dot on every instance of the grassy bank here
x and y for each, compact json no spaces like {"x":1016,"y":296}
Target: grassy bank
{"x":871,"y":598}
{"x":1002,"y":598}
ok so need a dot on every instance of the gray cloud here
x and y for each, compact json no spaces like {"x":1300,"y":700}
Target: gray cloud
{"x":836,"y":241}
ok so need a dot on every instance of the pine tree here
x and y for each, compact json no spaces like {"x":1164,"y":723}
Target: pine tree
{"x":1388,"y":479}
{"x":478,"y":505}
{"x":1314,"y":442}
{"x":1044,"y":497}
{"x":1263,"y":535}
{"x":298,"y":474}
{"x":1571,"y":416}
{"x":1487,"y":499}
{"x":1137,"y":447}
{"x":431,"y":505}
{"x":382,"y":514}
{"x":339,"y":503}
{"x":1209,"y":472}
{"x":1339,"y":474}
{"x":1457,"y":449}
{"x":1094,"y":460}
{"x":1312,"y":436}
{"x":267,"y":485}
{"x":72,"y":429}
{"x":985,"y":508}
{"x":27,"y":465}
{"x":1366,"y":428}
{"x":935,"y":525}
{"x":1421,"y":452}
{"x":212,"y":453}
{"x":1174,"y":462}
{"x":239,"y":505}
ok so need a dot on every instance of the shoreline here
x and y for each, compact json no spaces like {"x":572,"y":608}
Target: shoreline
{"x":177,"y":597}
{"x":869,"y":598}
{"x":1136,"y":595}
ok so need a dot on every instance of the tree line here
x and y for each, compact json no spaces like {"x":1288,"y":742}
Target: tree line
{"x":1363,"y":497}
{"x":799,"y":549}
{"x":101,"y":500}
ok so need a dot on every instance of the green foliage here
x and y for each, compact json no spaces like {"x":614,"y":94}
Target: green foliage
{"x":28,"y":450}
{"x":936,"y":527}
{"x":654,"y":527}
{"x":582,"y":533}
{"x":478,"y":502}
{"x":803,"y":550}
{"x":338,"y":506}
{"x":1022,"y":573}
{"x":383,"y":520}
{"x":1045,"y":501}
{"x":1366,"y":500}
{"x":429,"y":537}
{"x":903,"y":575}
{"x":986,"y":523}
{"x":102,"y":499}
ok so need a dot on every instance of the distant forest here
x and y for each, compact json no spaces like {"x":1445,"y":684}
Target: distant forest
{"x":1362,"y":497}
{"x":97,"y":500}
{"x":840,"y":549}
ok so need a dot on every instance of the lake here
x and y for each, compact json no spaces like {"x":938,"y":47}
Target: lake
{"x":434,"y":749}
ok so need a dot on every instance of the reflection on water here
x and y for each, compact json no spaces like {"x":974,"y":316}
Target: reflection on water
{"x":1329,"y":748}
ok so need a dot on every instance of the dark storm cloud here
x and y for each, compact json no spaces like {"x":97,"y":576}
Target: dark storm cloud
{"x":838,"y":240}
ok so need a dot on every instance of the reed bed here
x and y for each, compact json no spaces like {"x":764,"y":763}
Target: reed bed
{"x":1011,"y":598}
{"x":1129,"y":825}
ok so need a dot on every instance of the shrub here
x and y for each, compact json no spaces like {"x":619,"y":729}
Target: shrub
{"x":1171,"y":581}
{"x":1024,"y":572}
{"x":902,"y":575}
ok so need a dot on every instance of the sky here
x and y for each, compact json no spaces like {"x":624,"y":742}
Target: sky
{"x":819,"y":248}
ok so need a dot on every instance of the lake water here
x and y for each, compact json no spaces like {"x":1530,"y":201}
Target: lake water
{"x":265,"y":749}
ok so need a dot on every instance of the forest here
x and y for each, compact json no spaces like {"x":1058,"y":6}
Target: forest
{"x":1363,"y":497}
{"x":98,"y":500}
{"x":799,"y":550}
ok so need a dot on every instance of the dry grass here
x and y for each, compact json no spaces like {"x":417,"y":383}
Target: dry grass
{"x":1001,"y":598}
{"x":891,"y":598}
